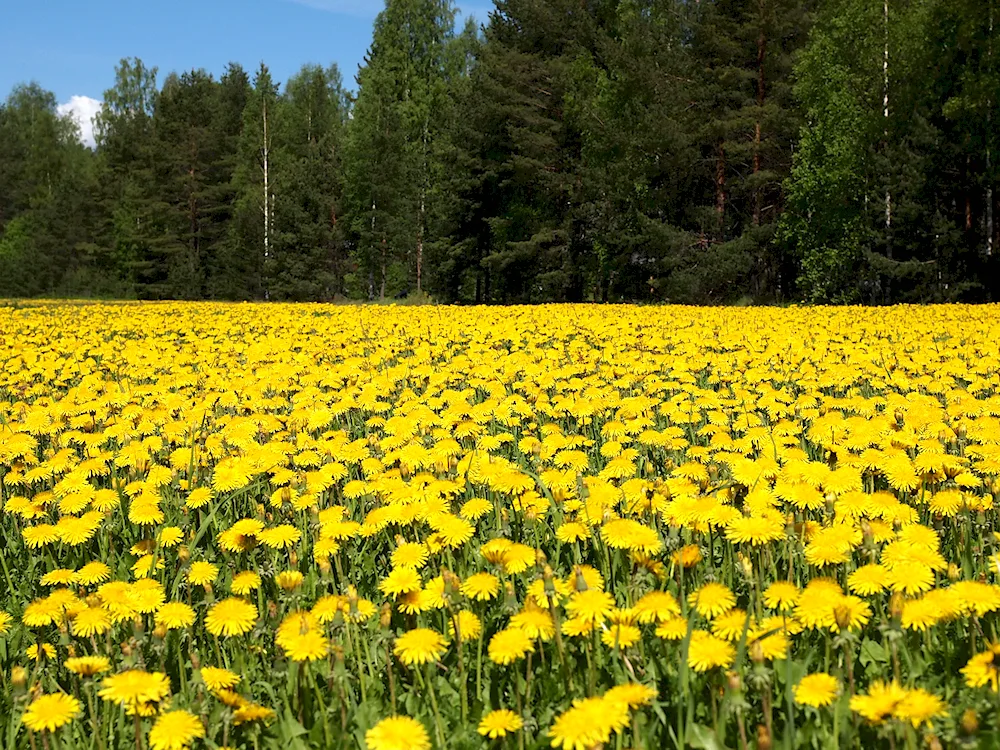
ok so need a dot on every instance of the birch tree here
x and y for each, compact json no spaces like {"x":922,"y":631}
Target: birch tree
{"x":255,"y":175}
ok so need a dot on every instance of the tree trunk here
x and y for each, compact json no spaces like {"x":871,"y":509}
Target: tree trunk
{"x":193,"y":224}
{"x":885,"y":114}
{"x":968,"y":194}
{"x":371,"y":274}
{"x":421,"y":219}
{"x":420,"y":245}
{"x":338,"y":271}
{"x":990,"y":231}
{"x":381,"y":291}
{"x":266,"y":153}
{"x":758,"y":199}
{"x":720,"y":188}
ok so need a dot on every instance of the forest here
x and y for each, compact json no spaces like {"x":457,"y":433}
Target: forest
{"x":681,"y":151}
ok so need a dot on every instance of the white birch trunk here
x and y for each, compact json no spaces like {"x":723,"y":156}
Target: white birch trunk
{"x":266,"y":153}
{"x":989,"y":161}
{"x":885,"y":107}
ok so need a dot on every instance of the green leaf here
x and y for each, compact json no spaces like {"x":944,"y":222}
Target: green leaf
{"x":701,"y":736}
{"x":872,"y":652}
{"x":290,"y":730}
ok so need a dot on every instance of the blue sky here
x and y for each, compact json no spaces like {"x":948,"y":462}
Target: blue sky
{"x":71,"y":47}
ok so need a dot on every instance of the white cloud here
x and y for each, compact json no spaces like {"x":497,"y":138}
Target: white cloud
{"x":83,"y":109}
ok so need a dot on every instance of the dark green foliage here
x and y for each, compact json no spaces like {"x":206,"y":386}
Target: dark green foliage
{"x":718,"y":151}
{"x":48,"y":218}
{"x":896,"y":205}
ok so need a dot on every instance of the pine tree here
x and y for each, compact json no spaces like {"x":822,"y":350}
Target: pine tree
{"x":188,"y":180}
{"x":228,"y":274}
{"x":253,"y":223}
{"x":126,"y":146}
{"x":527,"y":163}
{"x":46,"y":225}
{"x":839,"y":86}
{"x":310,"y":245}
{"x":389,"y":154}
{"x":455,"y":220}
{"x":640,"y":163}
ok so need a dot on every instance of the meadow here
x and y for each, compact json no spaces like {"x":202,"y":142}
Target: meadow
{"x":579,"y":527}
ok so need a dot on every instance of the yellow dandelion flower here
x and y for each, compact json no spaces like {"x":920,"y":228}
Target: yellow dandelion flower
{"x":817,"y":690}
{"x":509,"y":645}
{"x":231,"y":616}
{"x":49,"y":712}
{"x":419,"y":646}
{"x":175,"y":730}
{"x":499,"y":723}
{"x":88,"y":666}
{"x":712,"y":600}
{"x":398,"y":733}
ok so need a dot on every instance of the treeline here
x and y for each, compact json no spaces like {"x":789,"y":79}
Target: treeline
{"x":566,"y":150}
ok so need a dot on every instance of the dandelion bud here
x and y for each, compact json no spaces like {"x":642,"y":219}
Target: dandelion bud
{"x":540,"y":558}
{"x":183,"y":553}
{"x":713,"y":471}
{"x":896,"y":605}
{"x":842,"y":615}
{"x":160,"y":632}
{"x":733,"y":682}
{"x":385,"y":615}
{"x":452,"y":584}
{"x":18,"y":676}
{"x":293,"y":559}
{"x":272,"y":609}
{"x":511,"y":599}
{"x":954,"y":573}
{"x":756,"y":652}
{"x":763,"y":738}
{"x":933,"y":743}
{"x":579,"y":582}
{"x":969,"y":722}
{"x":195,"y":660}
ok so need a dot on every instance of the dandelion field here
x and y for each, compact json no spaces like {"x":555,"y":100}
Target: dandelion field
{"x":582,"y":527}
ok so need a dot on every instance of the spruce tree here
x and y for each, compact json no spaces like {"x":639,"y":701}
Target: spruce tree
{"x":126,"y":145}
{"x":390,"y":150}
